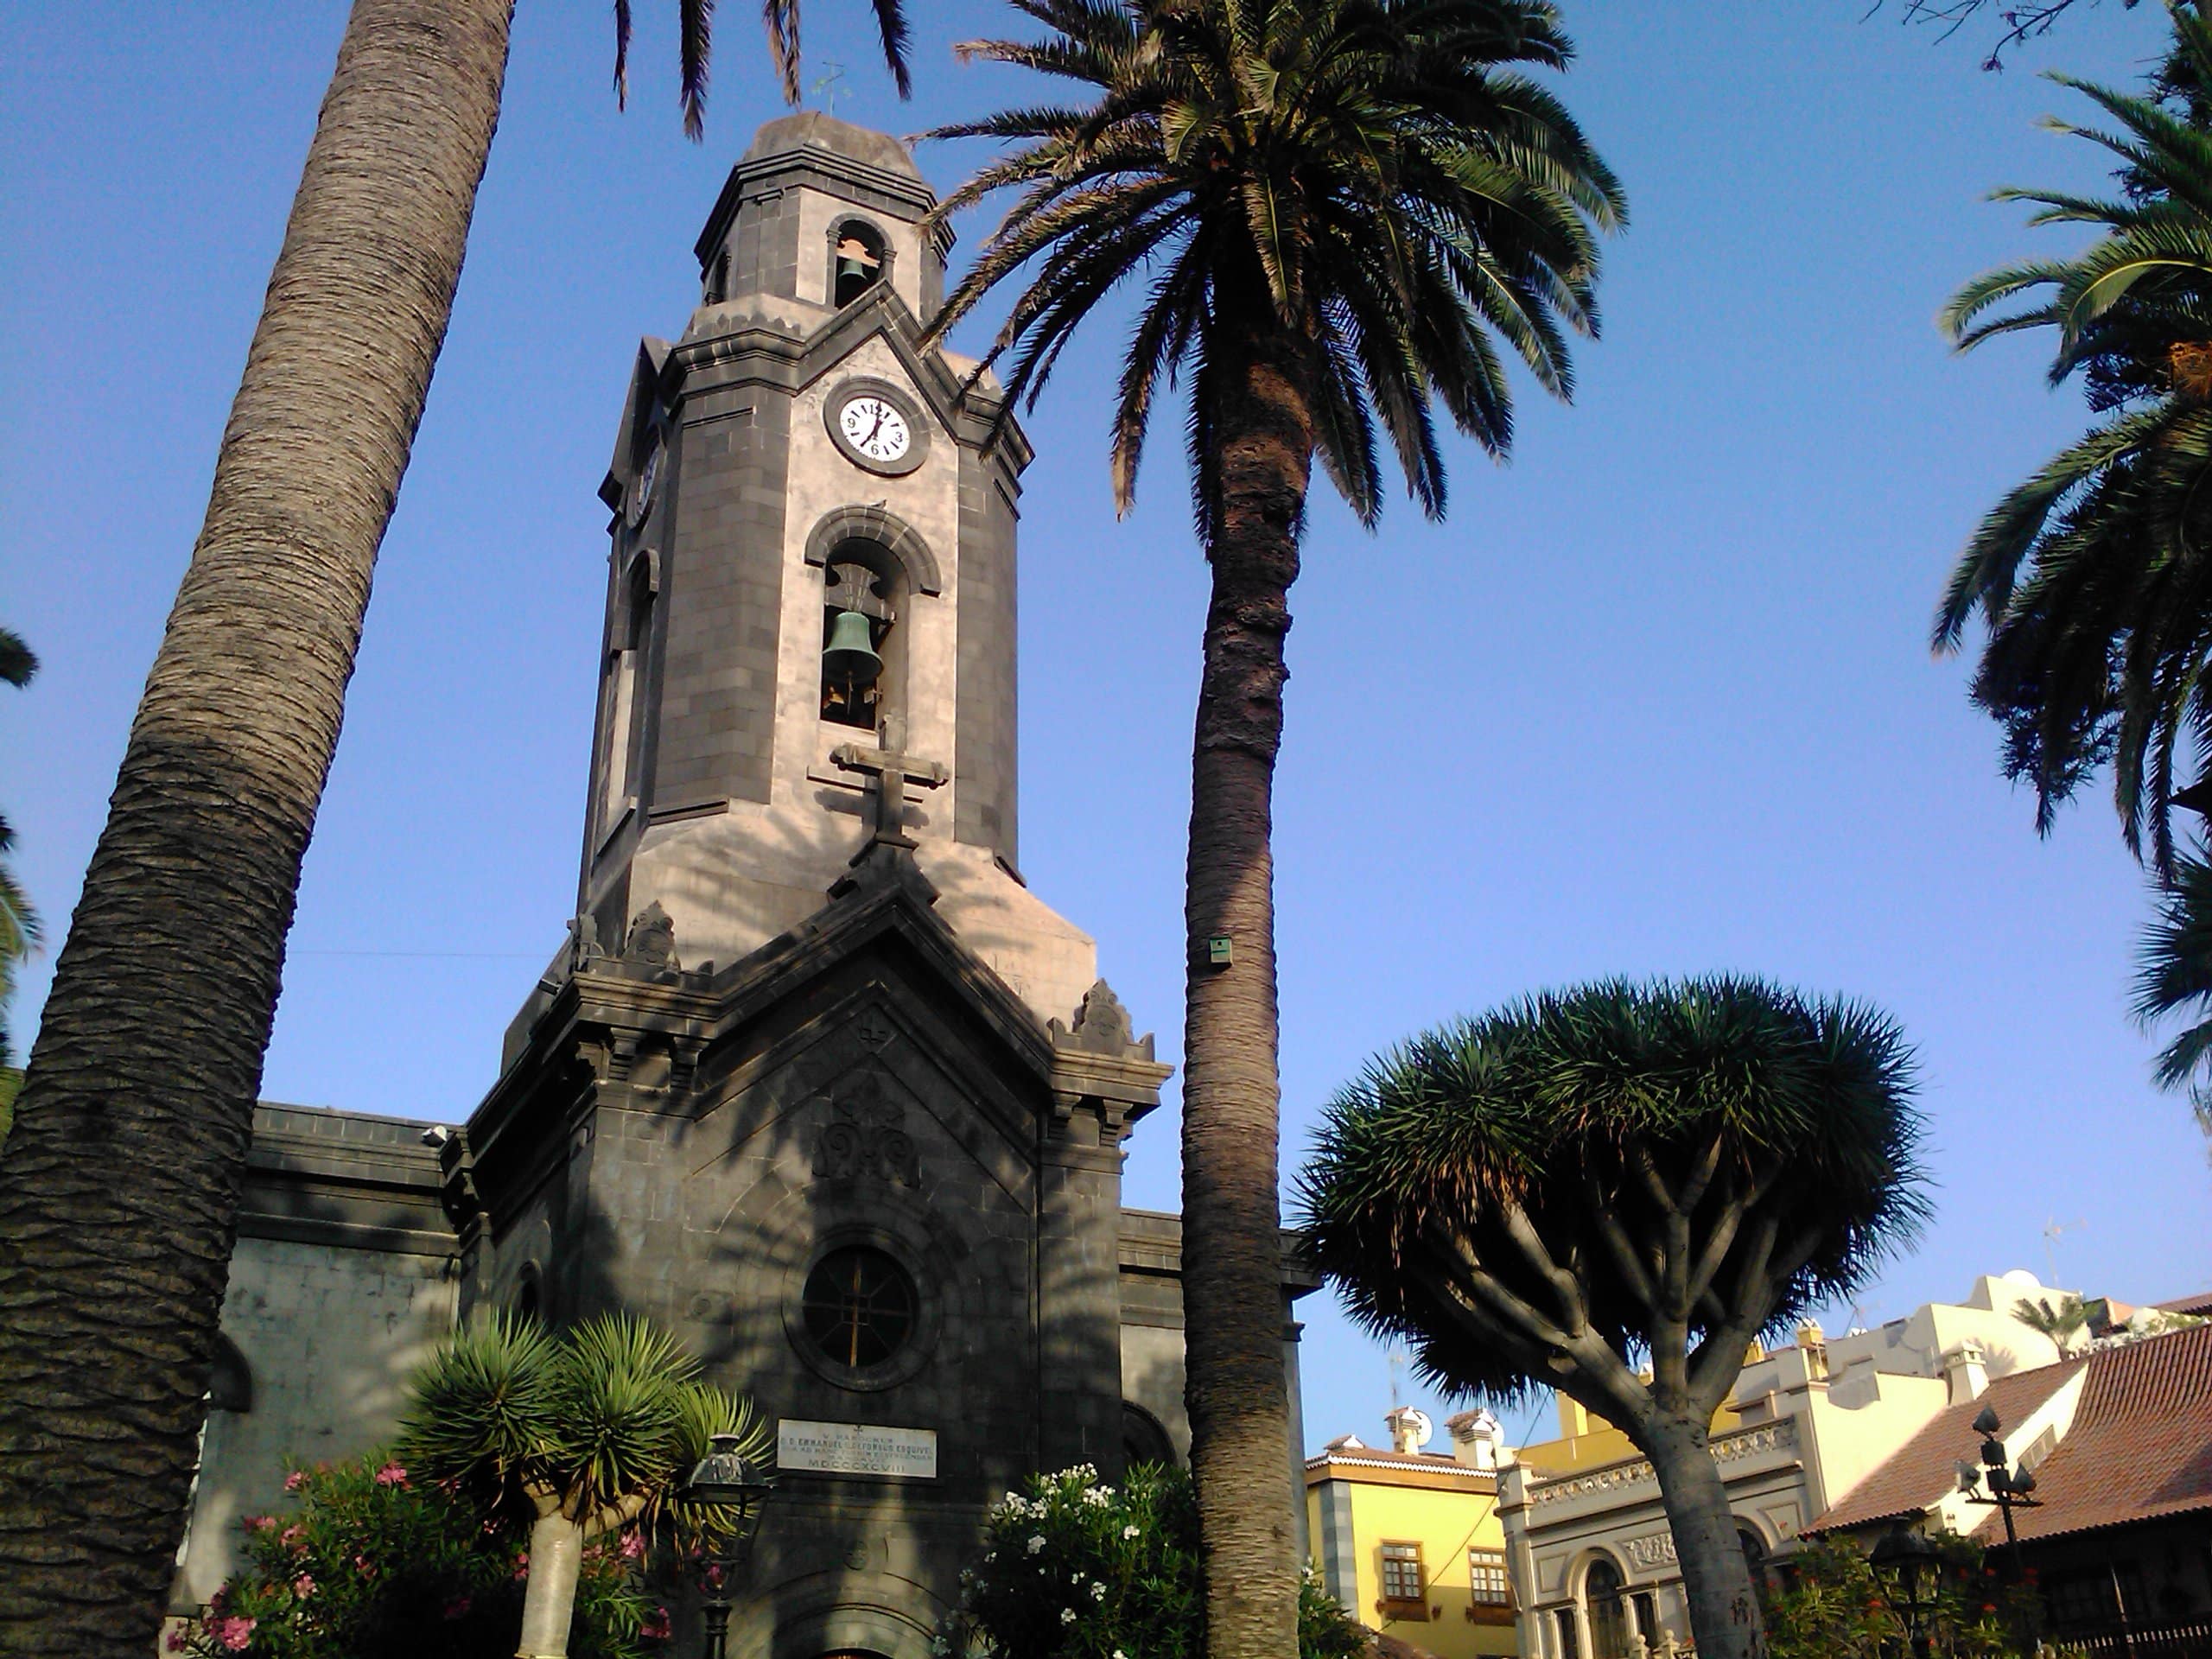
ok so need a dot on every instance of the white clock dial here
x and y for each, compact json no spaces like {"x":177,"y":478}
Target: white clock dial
{"x":641,"y":501}
{"x":875,"y":427}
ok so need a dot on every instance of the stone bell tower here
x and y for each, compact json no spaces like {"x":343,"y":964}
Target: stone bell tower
{"x":817,"y":1083}
{"x":811,"y":575}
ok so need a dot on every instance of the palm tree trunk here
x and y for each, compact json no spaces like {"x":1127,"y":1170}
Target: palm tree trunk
{"x":1232,"y":1252}
{"x":119,"y":1186}
{"x":1725,"y":1615}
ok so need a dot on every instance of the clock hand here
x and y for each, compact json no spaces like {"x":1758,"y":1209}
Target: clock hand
{"x":872,"y":430}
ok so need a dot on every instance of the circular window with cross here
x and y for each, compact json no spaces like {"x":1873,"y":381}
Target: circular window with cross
{"x":860,"y":1307}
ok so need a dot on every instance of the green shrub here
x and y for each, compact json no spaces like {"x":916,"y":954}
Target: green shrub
{"x":1839,"y":1605}
{"x":368,"y":1564}
{"x":1071,"y":1569}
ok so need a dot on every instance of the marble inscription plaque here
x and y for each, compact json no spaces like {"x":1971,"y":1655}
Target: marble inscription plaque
{"x":857,"y":1449}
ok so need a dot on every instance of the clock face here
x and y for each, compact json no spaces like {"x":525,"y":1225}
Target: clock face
{"x":642,"y":502}
{"x":875,"y":427}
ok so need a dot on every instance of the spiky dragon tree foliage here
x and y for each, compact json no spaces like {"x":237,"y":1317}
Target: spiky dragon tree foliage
{"x":2094,"y":575}
{"x":572,"y":1437}
{"x":1591,"y":1182}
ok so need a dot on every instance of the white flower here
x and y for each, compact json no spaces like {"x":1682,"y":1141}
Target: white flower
{"x":1067,"y":1615}
{"x":1130,"y":1531}
{"x":1118,"y":1654}
{"x":940,"y":1647}
{"x":1036,"y":1543}
{"x":1098,"y":1591}
{"x":967,"y":1575}
{"x":1075,"y":1578}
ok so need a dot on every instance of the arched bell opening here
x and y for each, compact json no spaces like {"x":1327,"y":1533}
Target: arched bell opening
{"x":856,"y":260}
{"x":863,"y":648}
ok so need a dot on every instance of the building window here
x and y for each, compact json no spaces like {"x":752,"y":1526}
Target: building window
{"x":1487,"y":1584}
{"x":1405,"y":1586}
{"x":718,"y":279}
{"x":859,"y":1306}
{"x":625,"y":706}
{"x":856,"y":261}
{"x":1570,"y":1639}
{"x":1602,"y":1604}
{"x":1647,"y":1618}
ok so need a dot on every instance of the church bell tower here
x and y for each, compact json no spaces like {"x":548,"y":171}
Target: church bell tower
{"x":817,"y":1083}
{"x":812,"y":578}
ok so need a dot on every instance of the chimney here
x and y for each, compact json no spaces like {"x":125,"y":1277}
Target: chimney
{"x":1476,"y":1438}
{"x":1965,"y":1372}
{"x":1813,"y":1343}
{"x":1409,"y":1428}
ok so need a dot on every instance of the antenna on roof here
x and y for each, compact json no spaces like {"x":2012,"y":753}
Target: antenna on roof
{"x":2053,"y":1231}
{"x":1397,"y":1375}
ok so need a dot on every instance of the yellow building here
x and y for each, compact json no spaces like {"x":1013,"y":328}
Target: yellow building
{"x":1410,"y":1541}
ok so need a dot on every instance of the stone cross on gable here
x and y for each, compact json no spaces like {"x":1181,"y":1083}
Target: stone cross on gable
{"x":891,"y":768}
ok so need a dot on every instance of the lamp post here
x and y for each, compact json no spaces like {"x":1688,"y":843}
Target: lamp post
{"x":1910,"y":1555}
{"x":726,"y":1479}
{"x":2010,"y":1488}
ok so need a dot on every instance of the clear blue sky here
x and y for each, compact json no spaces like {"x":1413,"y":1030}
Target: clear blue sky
{"x":1656,"y":699}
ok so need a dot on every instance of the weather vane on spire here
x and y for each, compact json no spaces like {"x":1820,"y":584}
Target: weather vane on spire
{"x":825,"y":86}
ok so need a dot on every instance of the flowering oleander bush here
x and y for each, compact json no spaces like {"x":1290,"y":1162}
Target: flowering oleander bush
{"x":1839,"y":1605}
{"x":366,"y":1564}
{"x":1071,"y":1569}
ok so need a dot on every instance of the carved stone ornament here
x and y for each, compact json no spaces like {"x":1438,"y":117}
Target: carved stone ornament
{"x":1102,"y":1024}
{"x":865,"y":1136}
{"x":652,"y":942}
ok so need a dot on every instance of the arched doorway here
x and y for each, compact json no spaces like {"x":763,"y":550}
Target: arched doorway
{"x":1603,"y":1606}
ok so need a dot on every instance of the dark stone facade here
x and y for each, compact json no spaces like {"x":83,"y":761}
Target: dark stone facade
{"x":874,"y":1063}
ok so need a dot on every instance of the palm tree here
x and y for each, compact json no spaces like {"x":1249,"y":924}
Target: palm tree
{"x":1336,"y":205}
{"x":2095,"y":654}
{"x":1595,"y":1181}
{"x":2061,"y":1321}
{"x":118,"y":1189}
{"x":2174,"y":973}
{"x":572,"y":1438}
{"x":19,"y":929}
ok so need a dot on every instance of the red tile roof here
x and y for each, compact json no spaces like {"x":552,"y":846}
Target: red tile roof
{"x":1919,"y":1472}
{"x":2141,"y":1445}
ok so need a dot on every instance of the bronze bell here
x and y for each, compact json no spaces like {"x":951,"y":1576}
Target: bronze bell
{"x":849,"y":658}
{"x":850,"y":269}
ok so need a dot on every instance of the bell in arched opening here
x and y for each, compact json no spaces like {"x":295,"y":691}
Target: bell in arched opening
{"x":855,"y":618}
{"x":859,"y":263}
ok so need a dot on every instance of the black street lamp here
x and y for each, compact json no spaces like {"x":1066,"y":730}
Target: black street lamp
{"x":2010,"y":1487}
{"x":1917,"y":1563}
{"x":726,"y":1479}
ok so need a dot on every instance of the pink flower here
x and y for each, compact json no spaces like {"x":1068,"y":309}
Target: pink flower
{"x":261,"y":1522}
{"x":303,"y":1587}
{"x":634,"y":1546}
{"x":295,"y":1536}
{"x":522,"y":1567}
{"x":297,"y":1480}
{"x":457,"y":1608}
{"x":175,"y":1640}
{"x":234,"y":1633}
{"x":392,"y":1475}
{"x":714,"y":1576}
{"x":655,"y":1628}
{"x":366,"y":1567}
